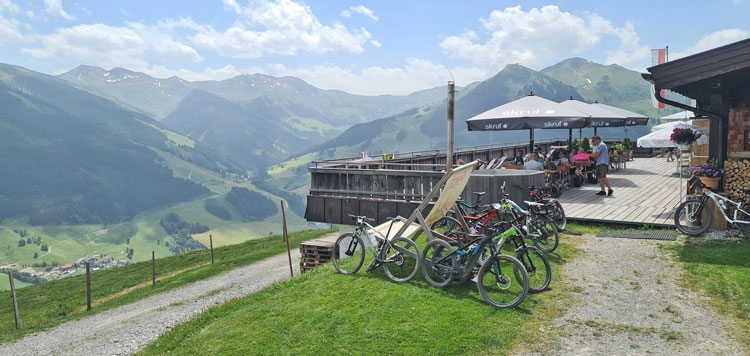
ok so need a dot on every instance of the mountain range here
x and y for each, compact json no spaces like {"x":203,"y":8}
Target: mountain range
{"x":255,"y":120}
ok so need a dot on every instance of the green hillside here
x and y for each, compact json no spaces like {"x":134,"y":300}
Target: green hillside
{"x":72,"y":157}
{"x":235,"y":115}
{"x":608,"y":84}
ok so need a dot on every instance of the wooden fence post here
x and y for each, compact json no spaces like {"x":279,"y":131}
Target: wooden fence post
{"x":211,"y":244}
{"x":13,"y":295}
{"x":286,"y":237}
{"x":153,"y":269}
{"x":88,"y":286}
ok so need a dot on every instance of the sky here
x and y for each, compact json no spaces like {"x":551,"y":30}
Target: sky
{"x":362,"y":47}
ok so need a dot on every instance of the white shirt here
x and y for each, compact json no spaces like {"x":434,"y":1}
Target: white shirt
{"x":533,"y":166}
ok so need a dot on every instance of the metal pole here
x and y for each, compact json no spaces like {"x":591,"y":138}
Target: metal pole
{"x":449,"y":152}
{"x":570,"y":136}
{"x":88,"y":286}
{"x":211,"y":243}
{"x":531,"y":140}
{"x":286,"y":237}
{"x":13,"y":295}
{"x":153,"y":269}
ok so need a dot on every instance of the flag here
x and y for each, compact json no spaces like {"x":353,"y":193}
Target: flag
{"x":658,"y":56}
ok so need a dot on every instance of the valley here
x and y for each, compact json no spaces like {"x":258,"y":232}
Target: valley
{"x":102,"y":156}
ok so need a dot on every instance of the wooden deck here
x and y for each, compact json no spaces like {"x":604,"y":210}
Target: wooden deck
{"x":646,"y":192}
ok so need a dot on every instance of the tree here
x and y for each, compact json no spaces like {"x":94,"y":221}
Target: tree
{"x":45,"y":248}
{"x":36,"y":255}
{"x":21,"y":243}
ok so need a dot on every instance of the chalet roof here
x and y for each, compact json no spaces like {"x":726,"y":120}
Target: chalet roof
{"x":693,"y":76}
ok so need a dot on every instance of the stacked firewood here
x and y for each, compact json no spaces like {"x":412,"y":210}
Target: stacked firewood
{"x":737,"y":178}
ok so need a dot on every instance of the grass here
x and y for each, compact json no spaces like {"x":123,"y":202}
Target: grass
{"x":48,"y":305}
{"x":721,"y":270}
{"x":582,"y":228}
{"x":323,"y":312}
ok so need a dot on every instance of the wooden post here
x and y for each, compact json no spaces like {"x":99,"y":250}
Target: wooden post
{"x":13,"y":295}
{"x":211,"y":244}
{"x":449,"y":150}
{"x":286,"y":237}
{"x":88,"y":286}
{"x":153,"y":269}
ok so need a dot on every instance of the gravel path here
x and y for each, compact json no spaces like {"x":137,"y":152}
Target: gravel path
{"x":129,"y":328}
{"x":631,"y":303}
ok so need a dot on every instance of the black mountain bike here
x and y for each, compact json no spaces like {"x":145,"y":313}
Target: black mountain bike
{"x":399,"y":256}
{"x":501,"y":279}
{"x":532,"y":258}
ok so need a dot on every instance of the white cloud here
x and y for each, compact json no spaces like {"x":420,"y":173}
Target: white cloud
{"x":713,"y":40}
{"x":55,"y":8}
{"x":417,"y":74}
{"x":7,"y":5}
{"x":538,"y":36}
{"x":737,"y":2}
{"x":360,"y":9}
{"x":134,"y":46}
{"x":232,"y":5}
{"x":281,"y":27}
{"x":375,"y":43}
{"x":8,"y":26}
{"x":346,"y":13}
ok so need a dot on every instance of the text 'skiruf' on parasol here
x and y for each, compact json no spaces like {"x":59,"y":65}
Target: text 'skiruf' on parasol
{"x":599,"y":116}
{"x":528,"y":113}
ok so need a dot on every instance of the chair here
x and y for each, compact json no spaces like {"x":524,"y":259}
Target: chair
{"x":514,"y":166}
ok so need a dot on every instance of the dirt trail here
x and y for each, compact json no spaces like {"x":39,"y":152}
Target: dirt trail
{"x":630,"y":302}
{"x":129,"y":328}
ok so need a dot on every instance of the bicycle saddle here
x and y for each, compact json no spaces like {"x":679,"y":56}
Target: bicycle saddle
{"x":533,"y":203}
{"x":479,"y":194}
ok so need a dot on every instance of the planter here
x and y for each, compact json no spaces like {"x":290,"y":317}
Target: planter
{"x":628,"y":154}
{"x":711,"y":182}
{"x":684,"y":146}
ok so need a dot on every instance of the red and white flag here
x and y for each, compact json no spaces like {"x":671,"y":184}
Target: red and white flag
{"x":658,"y":56}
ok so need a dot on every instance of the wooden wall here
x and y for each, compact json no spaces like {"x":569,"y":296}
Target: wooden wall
{"x":739,"y":121}
{"x":333,"y":206}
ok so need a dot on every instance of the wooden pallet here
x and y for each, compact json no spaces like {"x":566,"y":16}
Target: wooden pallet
{"x":316,"y":252}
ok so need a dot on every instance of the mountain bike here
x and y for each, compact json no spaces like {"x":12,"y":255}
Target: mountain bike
{"x":541,"y":229}
{"x":552,"y":207}
{"x":532,"y":258}
{"x":399,"y":256}
{"x":451,"y":227}
{"x":694,"y":217}
{"x":502,"y":280}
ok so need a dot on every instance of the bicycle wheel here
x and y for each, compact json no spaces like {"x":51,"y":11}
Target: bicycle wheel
{"x":558,"y":215}
{"x":348,"y":253}
{"x":544,"y":233}
{"x":498,"y":285}
{"x":437,"y":266}
{"x":448,"y":226}
{"x":403,"y":255}
{"x":537,"y":267}
{"x":693,"y":217}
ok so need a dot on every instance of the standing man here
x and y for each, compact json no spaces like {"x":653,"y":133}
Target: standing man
{"x":602,"y":164}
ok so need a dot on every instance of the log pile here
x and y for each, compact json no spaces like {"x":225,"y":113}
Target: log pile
{"x":737,"y":178}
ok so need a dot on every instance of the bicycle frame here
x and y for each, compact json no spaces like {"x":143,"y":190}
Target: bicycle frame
{"x":362,"y":228}
{"x":473,"y":248}
{"x":723,"y":202}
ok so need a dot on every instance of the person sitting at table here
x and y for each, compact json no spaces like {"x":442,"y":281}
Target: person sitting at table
{"x":541,"y":154}
{"x":518,"y":161}
{"x":533,"y":164}
{"x":563,"y":163}
{"x":581,"y":156}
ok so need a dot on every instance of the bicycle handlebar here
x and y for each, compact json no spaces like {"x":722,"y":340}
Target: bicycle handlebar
{"x":364,"y":218}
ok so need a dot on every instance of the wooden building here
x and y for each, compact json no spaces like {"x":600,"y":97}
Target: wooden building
{"x":719,"y":81}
